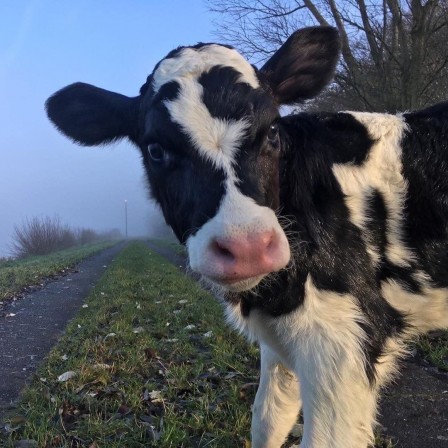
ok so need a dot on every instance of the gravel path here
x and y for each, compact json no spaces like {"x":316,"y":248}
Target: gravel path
{"x":36,"y":322}
{"x":414,"y":411}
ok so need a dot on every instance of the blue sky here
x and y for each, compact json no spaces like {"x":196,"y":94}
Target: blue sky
{"x":47,"y":44}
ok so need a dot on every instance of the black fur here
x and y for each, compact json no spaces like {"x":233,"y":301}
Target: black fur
{"x":292,"y":75}
{"x":179,"y":182}
{"x":425,"y":166}
{"x":91,"y":116}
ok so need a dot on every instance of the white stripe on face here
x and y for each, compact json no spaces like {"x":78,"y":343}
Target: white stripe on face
{"x":214,"y":138}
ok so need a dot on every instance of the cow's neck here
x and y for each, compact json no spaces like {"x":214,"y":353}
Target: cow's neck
{"x":313,"y":207}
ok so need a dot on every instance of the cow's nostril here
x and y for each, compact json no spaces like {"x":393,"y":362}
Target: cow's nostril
{"x":221,"y":250}
{"x":269,"y":240}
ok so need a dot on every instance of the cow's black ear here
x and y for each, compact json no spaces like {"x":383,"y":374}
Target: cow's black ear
{"x":303,"y":65}
{"x":91,"y":116}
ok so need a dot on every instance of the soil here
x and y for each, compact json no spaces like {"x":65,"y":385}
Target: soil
{"x":413,"y":411}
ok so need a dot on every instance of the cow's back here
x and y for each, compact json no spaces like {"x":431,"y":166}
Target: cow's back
{"x":392,"y":173}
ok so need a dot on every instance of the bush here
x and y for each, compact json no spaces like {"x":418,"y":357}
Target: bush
{"x":86,"y":236}
{"x":5,"y":261}
{"x":41,"y":236}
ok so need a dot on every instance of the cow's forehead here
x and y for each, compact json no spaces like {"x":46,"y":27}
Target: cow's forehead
{"x":190,"y":63}
{"x":215,"y":138}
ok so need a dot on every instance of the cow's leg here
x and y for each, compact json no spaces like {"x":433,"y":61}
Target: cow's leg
{"x":277,"y":402}
{"x":339,"y":403}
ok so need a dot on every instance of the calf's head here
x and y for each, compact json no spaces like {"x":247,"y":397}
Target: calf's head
{"x":208,"y":127}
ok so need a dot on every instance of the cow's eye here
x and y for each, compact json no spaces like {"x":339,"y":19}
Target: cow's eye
{"x":156,"y":152}
{"x":273,"y":133}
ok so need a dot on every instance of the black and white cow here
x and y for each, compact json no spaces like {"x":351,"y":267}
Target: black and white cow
{"x":325,"y":234}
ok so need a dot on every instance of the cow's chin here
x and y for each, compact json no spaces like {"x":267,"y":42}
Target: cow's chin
{"x":236,"y":285}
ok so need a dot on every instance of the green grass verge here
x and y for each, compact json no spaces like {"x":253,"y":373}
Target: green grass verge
{"x":15,"y":275}
{"x":143,"y":372}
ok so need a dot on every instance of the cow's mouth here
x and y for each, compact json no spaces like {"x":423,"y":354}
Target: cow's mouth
{"x":236,"y":284}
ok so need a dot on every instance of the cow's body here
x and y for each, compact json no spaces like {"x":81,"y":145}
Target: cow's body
{"x":326,"y":235}
{"x":380,"y":263}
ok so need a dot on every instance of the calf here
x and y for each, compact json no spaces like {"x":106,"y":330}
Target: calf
{"x":325,"y":235}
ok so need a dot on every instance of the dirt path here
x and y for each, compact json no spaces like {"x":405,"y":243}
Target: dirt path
{"x":38,"y":320}
{"x":414,"y":411}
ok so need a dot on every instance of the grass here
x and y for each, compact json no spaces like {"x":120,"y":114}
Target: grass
{"x":154,"y":365}
{"x":434,"y":349}
{"x":15,"y":275}
{"x":142,"y":371}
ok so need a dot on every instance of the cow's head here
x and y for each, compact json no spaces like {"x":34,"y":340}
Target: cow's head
{"x":208,"y":126}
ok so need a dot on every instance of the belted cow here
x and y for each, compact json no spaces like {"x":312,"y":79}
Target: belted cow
{"x":324,"y":234}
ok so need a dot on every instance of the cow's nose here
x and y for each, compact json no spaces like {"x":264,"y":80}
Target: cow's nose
{"x":246,"y":256}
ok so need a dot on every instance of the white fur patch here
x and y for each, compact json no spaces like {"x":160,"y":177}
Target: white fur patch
{"x":387,"y":366}
{"x":381,"y":171}
{"x":191,"y":63}
{"x":214,"y":138}
{"x":324,"y":338}
{"x":426,"y":311}
{"x":277,"y":402}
